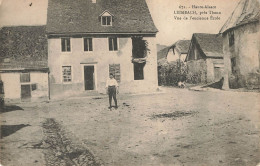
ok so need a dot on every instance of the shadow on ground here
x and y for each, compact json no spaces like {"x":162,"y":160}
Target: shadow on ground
{"x":9,"y":108}
{"x":7,"y":130}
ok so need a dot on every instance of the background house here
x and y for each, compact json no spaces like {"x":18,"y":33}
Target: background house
{"x":205,"y":58}
{"x":241,"y":37}
{"x":171,"y":65}
{"x":178,"y":51}
{"x":89,"y":39}
{"x":23,"y":62}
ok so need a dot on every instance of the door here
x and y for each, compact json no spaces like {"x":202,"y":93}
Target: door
{"x":25,"y":92}
{"x":89,"y":78}
{"x":218,"y":73}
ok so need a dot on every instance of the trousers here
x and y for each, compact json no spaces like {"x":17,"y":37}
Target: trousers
{"x":112,"y":93}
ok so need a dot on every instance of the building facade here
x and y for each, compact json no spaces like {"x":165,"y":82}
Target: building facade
{"x":205,"y":59}
{"x":241,"y":38}
{"x":23,"y":63}
{"x":87,"y":40}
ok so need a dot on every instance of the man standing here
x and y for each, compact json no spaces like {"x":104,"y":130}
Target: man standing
{"x":112,"y":89}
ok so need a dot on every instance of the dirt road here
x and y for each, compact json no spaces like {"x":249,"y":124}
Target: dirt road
{"x":178,"y":127}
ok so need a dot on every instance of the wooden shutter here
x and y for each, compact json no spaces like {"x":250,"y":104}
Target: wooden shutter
{"x":115,"y":69}
{"x":24,"y":77}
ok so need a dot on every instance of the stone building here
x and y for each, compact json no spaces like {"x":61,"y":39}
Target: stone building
{"x":88,"y":39}
{"x":205,"y":58}
{"x":23,"y":63}
{"x":241,"y":46}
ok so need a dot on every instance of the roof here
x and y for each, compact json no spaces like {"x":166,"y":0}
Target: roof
{"x":182,"y":46}
{"x":210,"y":44}
{"x":247,"y":11}
{"x":23,"y":47}
{"x":163,"y":53}
{"x":83,"y":16}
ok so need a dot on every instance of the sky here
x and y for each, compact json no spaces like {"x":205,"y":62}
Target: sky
{"x":19,"y":12}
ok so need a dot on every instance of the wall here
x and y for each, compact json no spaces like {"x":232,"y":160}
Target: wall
{"x":101,"y":57}
{"x":12,"y":85}
{"x":246,"y":49}
{"x":197,"y":71}
{"x":211,"y":64}
{"x":172,"y":57}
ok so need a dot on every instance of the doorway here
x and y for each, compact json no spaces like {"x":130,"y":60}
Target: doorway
{"x":25,"y":92}
{"x":89,"y":77}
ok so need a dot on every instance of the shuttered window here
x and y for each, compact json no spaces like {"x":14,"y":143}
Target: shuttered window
{"x":115,"y":69}
{"x":24,"y":77}
{"x":66,"y":72}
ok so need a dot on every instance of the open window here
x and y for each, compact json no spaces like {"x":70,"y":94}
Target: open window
{"x":112,"y":41}
{"x":231,"y":38}
{"x":139,"y":71}
{"x":139,"y":56}
{"x":88,"y":45}
{"x":65,"y":45}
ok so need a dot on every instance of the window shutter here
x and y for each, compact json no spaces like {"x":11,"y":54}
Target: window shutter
{"x":62,"y":45}
{"x":115,"y":43}
{"x":24,"y":77}
{"x":115,"y":69}
{"x":68,"y":44}
{"x":90,"y":44}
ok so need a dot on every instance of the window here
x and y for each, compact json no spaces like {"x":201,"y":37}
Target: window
{"x":34,"y":87}
{"x":24,"y":77}
{"x":112,"y":44}
{"x":66,"y":73}
{"x":65,"y":44}
{"x":115,"y":69}
{"x":106,"y":20}
{"x":88,"y":46}
{"x":231,"y":38}
{"x":139,"y":71}
{"x":233,"y":65}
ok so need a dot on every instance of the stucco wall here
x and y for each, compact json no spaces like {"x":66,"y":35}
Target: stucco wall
{"x":246,"y":49}
{"x":12,"y":85}
{"x":100,"y":57}
{"x":211,"y":64}
{"x":197,"y":71}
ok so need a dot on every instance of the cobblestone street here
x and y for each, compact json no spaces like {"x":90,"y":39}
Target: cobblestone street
{"x":172,"y":127}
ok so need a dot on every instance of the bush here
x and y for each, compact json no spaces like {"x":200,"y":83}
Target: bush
{"x":171,"y":73}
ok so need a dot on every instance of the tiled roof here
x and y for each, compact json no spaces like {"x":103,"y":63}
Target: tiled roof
{"x":247,"y":11}
{"x":163,"y":53}
{"x":182,"y":46}
{"x":82,"y":16}
{"x":23,"y":47}
{"x":211,"y":44}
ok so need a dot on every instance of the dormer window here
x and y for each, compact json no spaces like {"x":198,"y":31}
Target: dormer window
{"x":106,"y":18}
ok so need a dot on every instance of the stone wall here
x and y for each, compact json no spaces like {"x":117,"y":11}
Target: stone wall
{"x":246,"y":51}
{"x":197,"y":71}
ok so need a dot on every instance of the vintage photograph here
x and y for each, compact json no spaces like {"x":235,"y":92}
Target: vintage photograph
{"x":129,"y":83}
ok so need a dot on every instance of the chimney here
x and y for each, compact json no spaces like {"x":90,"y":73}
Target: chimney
{"x":94,"y":1}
